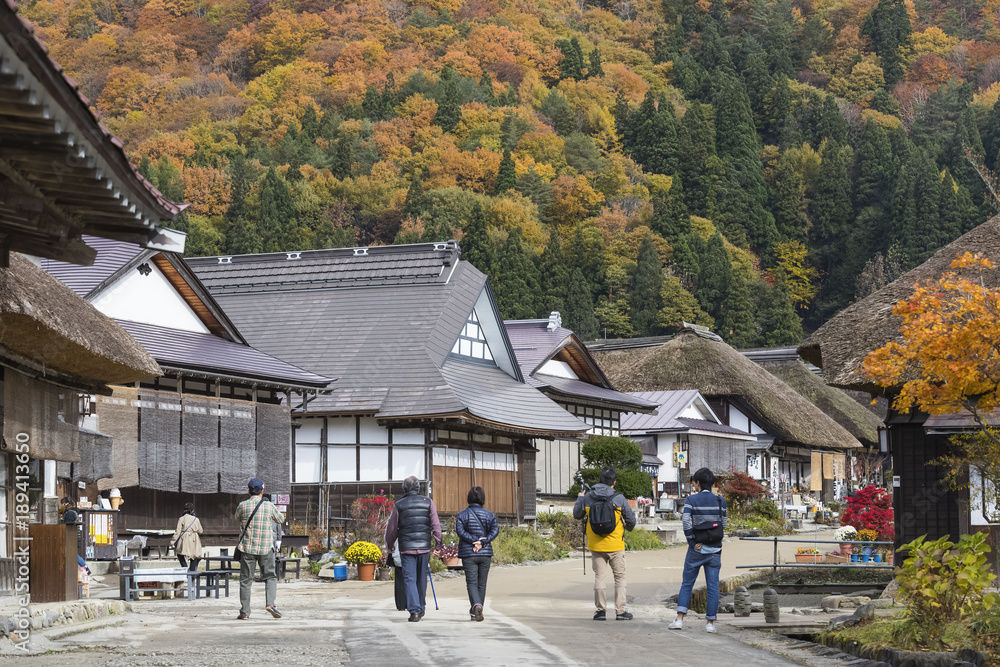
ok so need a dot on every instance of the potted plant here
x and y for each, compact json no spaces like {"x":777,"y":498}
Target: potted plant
{"x":449,"y":554}
{"x":867,"y":535}
{"x":316,"y":551}
{"x":855,"y":553}
{"x":364,"y":555}
{"x":808,"y":555}
{"x":384,"y":569}
{"x":845,"y":535}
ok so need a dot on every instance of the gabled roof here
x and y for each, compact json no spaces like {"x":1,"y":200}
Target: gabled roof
{"x":693,"y":360}
{"x":671,"y":405}
{"x":840,"y":346}
{"x":62,"y":172}
{"x":383,"y":320}
{"x":175,"y":349}
{"x":221,"y":352}
{"x":535,"y":342}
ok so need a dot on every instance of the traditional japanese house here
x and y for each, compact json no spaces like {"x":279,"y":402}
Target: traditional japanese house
{"x":555,"y":361}
{"x":790,"y":431}
{"x":62,"y":175}
{"x":427,"y":380}
{"x":685,"y":435}
{"x":219,"y":414}
{"x":865,"y":465}
{"x":923,"y":503}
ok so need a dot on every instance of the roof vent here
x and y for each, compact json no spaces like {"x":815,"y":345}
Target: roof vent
{"x":294,"y":255}
{"x":440,"y":246}
{"x":555,"y":320}
{"x":360,"y":252}
{"x":225,"y":260}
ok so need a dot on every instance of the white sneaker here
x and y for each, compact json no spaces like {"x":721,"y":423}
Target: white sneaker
{"x":710,"y":627}
{"x":676,"y":625}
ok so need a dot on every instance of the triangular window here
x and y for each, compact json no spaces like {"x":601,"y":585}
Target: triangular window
{"x":472,"y":342}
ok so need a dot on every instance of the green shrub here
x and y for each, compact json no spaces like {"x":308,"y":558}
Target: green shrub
{"x":568,"y":534}
{"x":437,"y":565}
{"x":632,"y":482}
{"x":944,"y":582}
{"x":765,"y":509}
{"x":517,"y":545}
{"x":766,"y":527}
{"x":551,"y":519}
{"x":606,"y":450}
{"x":642,"y":540}
{"x":314,"y":567}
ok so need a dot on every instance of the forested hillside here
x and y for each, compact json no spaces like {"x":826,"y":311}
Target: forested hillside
{"x":751,"y":165}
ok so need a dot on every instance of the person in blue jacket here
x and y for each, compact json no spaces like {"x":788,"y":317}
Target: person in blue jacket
{"x":476,"y":528}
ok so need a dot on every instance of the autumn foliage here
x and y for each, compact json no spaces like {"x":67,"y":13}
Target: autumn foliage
{"x":870,"y":509}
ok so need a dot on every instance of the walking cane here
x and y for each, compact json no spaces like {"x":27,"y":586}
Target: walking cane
{"x":432,"y":586}
{"x":583,"y":524}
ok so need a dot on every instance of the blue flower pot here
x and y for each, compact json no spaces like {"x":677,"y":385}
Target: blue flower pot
{"x":878,"y":558}
{"x":865,"y":558}
{"x":854,"y":558}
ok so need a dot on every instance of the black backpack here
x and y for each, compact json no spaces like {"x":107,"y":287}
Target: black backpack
{"x":603,"y":515}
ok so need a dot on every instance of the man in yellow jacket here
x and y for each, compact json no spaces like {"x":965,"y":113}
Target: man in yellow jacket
{"x":612,"y":516}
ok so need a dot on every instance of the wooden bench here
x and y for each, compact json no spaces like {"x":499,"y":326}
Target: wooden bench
{"x":281,"y":563}
{"x":210,"y":581}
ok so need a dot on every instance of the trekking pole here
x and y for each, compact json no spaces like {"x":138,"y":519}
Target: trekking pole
{"x":432,"y":586}
{"x":583,"y":524}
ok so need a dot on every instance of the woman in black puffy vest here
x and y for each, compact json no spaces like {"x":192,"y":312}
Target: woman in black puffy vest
{"x":476,"y":528}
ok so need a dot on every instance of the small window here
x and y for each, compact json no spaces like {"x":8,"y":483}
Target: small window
{"x":471,"y":341}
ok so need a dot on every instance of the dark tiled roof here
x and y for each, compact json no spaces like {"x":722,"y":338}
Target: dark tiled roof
{"x":534,"y":343}
{"x":111,"y":257}
{"x":590,"y":392}
{"x":385,"y":340}
{"x":322,"y":269}
{"x":671,"y":404}
{"x":175,"y":348}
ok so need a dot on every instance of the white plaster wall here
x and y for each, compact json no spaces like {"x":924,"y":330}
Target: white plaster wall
{"x":149,"y":299}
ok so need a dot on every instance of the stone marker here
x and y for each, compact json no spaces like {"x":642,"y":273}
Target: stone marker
{"x":741,"y":601}
{"x":772,"y":612}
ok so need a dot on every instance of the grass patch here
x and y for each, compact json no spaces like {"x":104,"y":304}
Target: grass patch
{"x":767,"y":527}
{"x":897,"y":632}
{"x":642,"y":540}
{"x":518,"y":545}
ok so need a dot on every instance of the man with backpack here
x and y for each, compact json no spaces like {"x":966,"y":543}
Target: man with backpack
{"x":608,"y":517}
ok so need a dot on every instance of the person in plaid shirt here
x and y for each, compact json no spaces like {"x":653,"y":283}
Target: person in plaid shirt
{"x":257,"y":547}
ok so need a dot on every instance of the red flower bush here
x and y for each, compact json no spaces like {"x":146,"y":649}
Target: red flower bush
{"x":870,"y":508}
{"x":370,"y":516}
{"x":740,"y":490}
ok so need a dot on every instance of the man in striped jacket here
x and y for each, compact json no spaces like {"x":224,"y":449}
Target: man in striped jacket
{"x":702,"y":509}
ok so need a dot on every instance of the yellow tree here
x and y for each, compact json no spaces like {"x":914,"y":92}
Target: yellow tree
{"x":947,"y":360}
{"x":793,"y":269}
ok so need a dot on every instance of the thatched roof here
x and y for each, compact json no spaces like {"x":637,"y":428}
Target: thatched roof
{"x":840,"y":346}
{"x":860,"y":422}
{"x":46,"y":328}
{"x":692,"y":361}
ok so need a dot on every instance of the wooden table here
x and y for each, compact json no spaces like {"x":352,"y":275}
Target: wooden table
{"x":224,"y":569}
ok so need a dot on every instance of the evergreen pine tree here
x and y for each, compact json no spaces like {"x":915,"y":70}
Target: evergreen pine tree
{"x":579,"y":315}
{"x":506,"y":175}
{"x":449,"y":109}
{"x":371,"y":106}
{"x":168,"y":179}
{"x":831,"y":206}
{"x":571,"y":66}
{"x":644,"y":290}
{"x":663,"y":42}
{"x":885,"y":103}
{"x":739,"y":146}
{"x":670,"y":216}
{"x":696,"y":145}
{"x":556,"y":107}
{"x":486,"y":87}
{"x":687,"y":265}
{"x":389,"y":98}
{"x":831,"y":123}
{"x":310,"y":123}
{"x":758,"y":82}
{"x":875,"y":167}
{"x":889,"y":27}
{"x":242,"y":237}
{"x":277,"y":212}
{"x":991,"y":140}
{"x":586,"y":251}
{"x":595,"y":68}
{"x":623,"y":121}
{"x":476,"y":243}
{"x":553,"y":277}
{"x":787,"y":201}
{"x":715,"y":273}
{"x":779,"y":36}
{"x":737,"y":326}
{"x":413,"y":204}
{"x":654,"y":127}
{"x":777,"y":321}
{"x":515,"y":280}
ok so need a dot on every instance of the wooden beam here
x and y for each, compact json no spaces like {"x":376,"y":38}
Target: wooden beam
{"x":14,"y":175}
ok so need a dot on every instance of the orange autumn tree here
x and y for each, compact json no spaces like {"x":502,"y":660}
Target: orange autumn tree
{"x":947,"y":360}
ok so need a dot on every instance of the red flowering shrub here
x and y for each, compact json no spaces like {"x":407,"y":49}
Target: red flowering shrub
{"x":870,"y":508}
{"x":740,"y":490}
{"x":370,"y":516}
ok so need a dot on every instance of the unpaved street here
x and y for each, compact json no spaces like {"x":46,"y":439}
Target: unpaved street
{"x":536,"y":615}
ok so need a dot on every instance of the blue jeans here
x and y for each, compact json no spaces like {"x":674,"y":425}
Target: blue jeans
{"x":694,"y":561}
{"x":415,"y":577}
{"x":477,"y":571}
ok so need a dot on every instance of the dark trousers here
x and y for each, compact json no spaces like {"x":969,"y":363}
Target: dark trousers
{"x":184,"y":563}
{"x":248,"y":564}
{"x":477,"y":569}
{"x":415,"y":575}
